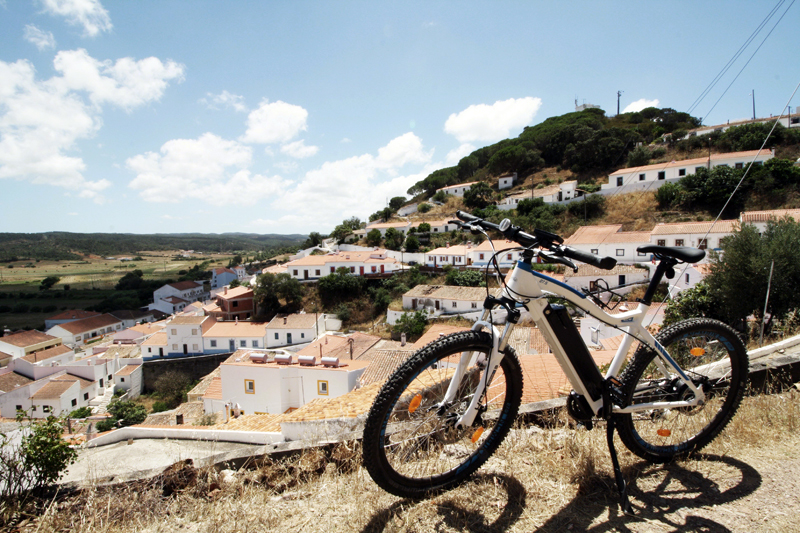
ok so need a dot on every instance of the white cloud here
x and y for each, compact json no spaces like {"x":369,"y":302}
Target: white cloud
{"x":276,"y":122}
{"x":357,"y":185}
{"x":39,"y":38}
{"x":299,"y":150}
{"x":224,"y":100}
{"x":346,"y":140}
{"x":640,"y":104}
{"x":490,"y":123}
{"x":209,"y":169}
{"x":456,"y":154}
{"x":126,"y":83}
{"x":42,"y":121}
{"x":87,"y":13}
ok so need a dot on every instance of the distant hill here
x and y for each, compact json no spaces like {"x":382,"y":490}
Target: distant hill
{"x":64,"y":246}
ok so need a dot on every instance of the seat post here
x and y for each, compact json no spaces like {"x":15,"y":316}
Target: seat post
{"x":665,"y":264}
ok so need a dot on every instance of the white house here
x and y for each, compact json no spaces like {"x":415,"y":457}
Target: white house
{"x":234,"y":335}
{"x":222,"y":276}
{"x":129,"y":378}
{"x":407,"y":210}
{"x":438,"y":226}
{"x":358,"y":263}
{"x":457,"y":190}
{"x":22,"y":343}
{"x":610,"y":241}
{"x":439,"y":300}
{"x":298,"y":328}
{"x":651,"y":177}
{"x":79,"y":332}
{"x":68,"y":316}
{"x":257,"y":383}
{"x":480,"y":255}
{"x":760,"y":219}
{"x":701,"y":235}
{"x":56,"y":356}
{"x":788,"y":121}
{"x":557,"y":193}
{"x":506,"y":182}
{"x":402,"y":227}
{"x":455,"y":256}
{"x":592,"y":278}
{"x":185,"y":334}
{"x":173,"y":297}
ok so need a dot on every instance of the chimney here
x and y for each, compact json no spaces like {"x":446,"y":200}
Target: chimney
{"x":226,"y":289}
{"x":236,"y":321}
{"x":284,"y":321}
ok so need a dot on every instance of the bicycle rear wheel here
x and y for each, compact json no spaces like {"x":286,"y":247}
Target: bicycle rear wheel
{"x":715,"y":359}
{"x":411,"y":445}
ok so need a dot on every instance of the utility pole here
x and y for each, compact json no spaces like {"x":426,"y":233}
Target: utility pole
{"x":766,"y":302}
{"x":619,"y":93}
{"x":754,"y":103}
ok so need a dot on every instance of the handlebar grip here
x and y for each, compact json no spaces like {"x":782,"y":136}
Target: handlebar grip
{"x":606,"y":263}
{"x":466,"y":217}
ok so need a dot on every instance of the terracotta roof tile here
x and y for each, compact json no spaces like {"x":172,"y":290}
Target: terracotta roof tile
{"x":24,"y":339}
{"x":11,"y":380}
{"x":89,"y":324}
{"x":293,"y":321}
{"x":53,"y":390}
{"x":214,"y":389}
{"x":186,"y":285}
{"x":236,"y":329}
{"x":696,"y":228}
{"x":73,"y":314}
{"x":766,"y":216}
{"x":746,"y":157}
{"x":43,"y":355}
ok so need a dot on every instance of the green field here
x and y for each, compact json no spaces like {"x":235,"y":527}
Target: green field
{"x":89,"y":281}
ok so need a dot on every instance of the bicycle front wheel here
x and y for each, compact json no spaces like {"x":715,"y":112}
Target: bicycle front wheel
{"x":411,"y":445}
{"x":714,"y":359}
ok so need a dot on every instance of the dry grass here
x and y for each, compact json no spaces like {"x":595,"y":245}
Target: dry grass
{"x":547,"y":479}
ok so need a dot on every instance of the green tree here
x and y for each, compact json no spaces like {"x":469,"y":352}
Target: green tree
{"x":48,"y":282}
{"x":344,"y":229}
{"x":131,"y":280}
{"x":339,"y":286}
{"x":412,"y":244}
{"x":465,"y":278}
{"x":123,"y":413}
{"x":412,"y":324}
{"x":374,"y":237}
{"x":691,"y":303}
{"x":397,"y":202}
{"x":638,"y":157}
{"x":171,"y":387}
{"x":479,"y":195}
{"x":235,"y":283}
{"x":424,"y":208}
{"x":314,"y":239}
{"x":270,"y":289}
{"x":394,"y":239}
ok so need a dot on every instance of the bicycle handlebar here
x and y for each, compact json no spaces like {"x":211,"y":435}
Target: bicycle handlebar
{"x":544,"y":239}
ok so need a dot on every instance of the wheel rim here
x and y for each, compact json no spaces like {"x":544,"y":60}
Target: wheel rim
{"x":705,"y":357}
{"x":419,"y":438}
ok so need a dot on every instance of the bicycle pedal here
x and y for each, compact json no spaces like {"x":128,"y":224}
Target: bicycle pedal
{"x":614,"y":387}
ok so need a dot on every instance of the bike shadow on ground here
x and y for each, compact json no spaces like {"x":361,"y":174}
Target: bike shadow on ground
{"x":663,"y":497}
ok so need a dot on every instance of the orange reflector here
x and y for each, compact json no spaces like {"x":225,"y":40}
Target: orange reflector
{"x":414,"y":403}
{"x":664,"y":432}
{"x":477,"y":435}
{"x":697,"y":352}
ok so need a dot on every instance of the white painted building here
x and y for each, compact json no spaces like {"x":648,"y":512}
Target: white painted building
{"x":437,"y":300}
{"x":457,"y":190}
{"x":401,"y":226}
{"x":358,"y":263}
{"x":20,"y":344}
{"x":234,"y":335}
{"x":253,"y":381}
{"x":506,"y":182}
{"x":79,"y":332}
{"x":610,"y":241}
{"x":760,"y":219}
{"x":593,"y":278}
{"x":185,"y":334}
{"x":173,"y":297}
{"x":787,"y":121}
{"x":694,"y":234}
{"x":298,"y":328}
{"x":651,"y":177}
{"x":551,"y":194}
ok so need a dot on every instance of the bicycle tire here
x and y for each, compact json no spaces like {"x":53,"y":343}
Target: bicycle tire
{"x":411,"y":451}
{"x":713,"y":356}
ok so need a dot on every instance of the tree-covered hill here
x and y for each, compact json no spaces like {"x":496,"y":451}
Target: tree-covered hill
{"x":586,"y":142}
{"x":63,"y":245}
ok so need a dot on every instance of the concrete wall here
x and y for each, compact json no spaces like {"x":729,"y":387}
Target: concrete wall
{"x":195,"y":367}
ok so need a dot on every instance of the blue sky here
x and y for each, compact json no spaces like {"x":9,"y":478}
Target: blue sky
{"x":288,"y":117}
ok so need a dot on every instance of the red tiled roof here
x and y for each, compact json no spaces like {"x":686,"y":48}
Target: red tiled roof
{"x":42,"y":355}
{"x":186,"y":285}
{"x":24,"y":339}
{"x":73,"y":314}
{"x":11,"y":380}
{"x":90,"y":324}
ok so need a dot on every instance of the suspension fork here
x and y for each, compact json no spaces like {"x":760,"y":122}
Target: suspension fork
{"x":499,"y":342}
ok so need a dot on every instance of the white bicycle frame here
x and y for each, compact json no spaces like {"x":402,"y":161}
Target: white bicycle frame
{"x":525,"y":285}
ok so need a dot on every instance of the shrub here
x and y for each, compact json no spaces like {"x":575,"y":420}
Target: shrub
{"x":424,"y":208}
{"x":160,"y":406}
{"x":81,"y":412}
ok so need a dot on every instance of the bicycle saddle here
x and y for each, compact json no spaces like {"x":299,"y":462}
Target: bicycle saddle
{"x":682,"y":253}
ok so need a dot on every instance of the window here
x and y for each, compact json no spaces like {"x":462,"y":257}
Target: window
{"x":174,"y":346}
{"x":703,"y":244}
{"x":78,"y":338}
{"x":458,"y":259}
{"x":474,"y":305}
{"x":661,"y":242}
{"x":480,"y":256}
{"x":455,"y":304}
{"x":316,"y":272}
{"x":641,"y":177}
{"x":294,"y":272}
{"x":194,"y":331}
{"x":594,"y":251}
{"x":195,"y":348}
{"x":85,"y":396}
{"x":47,"y":409}
{"x":74,"y":402}
{"x":235,"y":304}
{"x":678,"y":242}
{"x":255,"y":344}
{"x":302,"y":335}
{"x":739,"y":165}
{"x":213,"y":343}
{"x":352,"y":270}
{"x":243,"y":344}
{"x":249,"y":386}
{"x":622,"y":279}
{"x":619,"y":181}
{"x":322,"y":388}
{"x":33,"y":408}
{"x":276,"y":336}
{"x":333,"y":270}
{"x":687,"y":278}
{"x":682,"y":172}
{"x":508,"y":257}
{"x":374,"y":269}
{"x":174,"y":331}
{"x":662,"y":175}
{"x":620,"y":252}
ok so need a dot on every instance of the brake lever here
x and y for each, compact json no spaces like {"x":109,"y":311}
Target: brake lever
{"x":553,"y":258}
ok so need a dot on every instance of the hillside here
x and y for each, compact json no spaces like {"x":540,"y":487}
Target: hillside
{"x":70,"y":246}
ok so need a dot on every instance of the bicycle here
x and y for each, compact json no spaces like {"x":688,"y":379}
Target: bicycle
{"x":447,"y":408}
